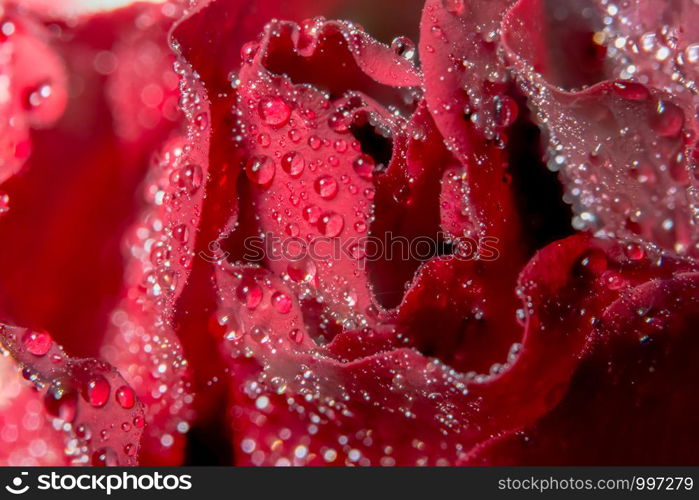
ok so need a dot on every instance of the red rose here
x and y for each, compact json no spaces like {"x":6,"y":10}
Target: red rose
{"x":347,"y":252}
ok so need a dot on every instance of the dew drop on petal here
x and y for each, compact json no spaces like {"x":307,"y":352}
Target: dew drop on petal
{"x":364,"y":166}
{"x":274,"y":111}
{"x":105,"y":457}
{"x":249,"y":293}
{"x":37,"y":343}
{"x":631,"y":91}
{"x":281,"y":302}
{"x":125,"y":397}
{"x":326,"y":187}
{"x":293,"y":163}
{"x":331,"y":224}
{"x":97,"y":391}
{"x":260,"y":170}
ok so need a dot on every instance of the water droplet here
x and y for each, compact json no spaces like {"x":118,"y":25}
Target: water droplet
{"x":364,"y":166}
{"x":83,"y":431}
{"x":181,"y":233}
{"x":326,"y":187}
{"x":260,"y":170}
{"x":331,"y":224}
{"x":249,"y":293}
{"x":37,"y":343}
{"x":505,"y":111}
{"x":296,"y":335}
{"x":61,"y":401}
{"x":311,"y":213}
{"x":125,"y":397}
{"x":97,"y":391}
{"x":188,"y":178}
{"x":455,"y":7}
{"x":4,"y":203}
{"x":631,"y":91}
{"x":301,"y":270}
{"x":668,"y":120}
{"x":282,"y":302}
{"x":274,"y":111}
{"x":105,"y":457}
{"x":634,"y":251}
{"x":293,"y":164}
{"x":403,"y":47}
{"x":314,"y":142}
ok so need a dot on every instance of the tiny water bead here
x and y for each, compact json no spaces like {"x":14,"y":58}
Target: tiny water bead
{"x":326,"y":187}
{"x":592,"y":263}
{"x":105,"y":457}
{"x":97,"y":391}
{"x":260,"y":170}
{"x":293,"y":163}
{"x":125,"y":397}
{"x":37,"y":343}
{"x":274,"y":111}
{"x":4,"y":203}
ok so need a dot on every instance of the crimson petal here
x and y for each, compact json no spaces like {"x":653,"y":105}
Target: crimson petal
{"x":86,"y":399}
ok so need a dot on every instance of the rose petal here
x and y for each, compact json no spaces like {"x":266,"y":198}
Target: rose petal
{"x":644,"y":347}
{"x":620,"y":145}
{"x":85,"y":398}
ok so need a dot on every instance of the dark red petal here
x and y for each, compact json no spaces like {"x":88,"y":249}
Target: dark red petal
{"x":641,"y":370}
{"x":294,"y":401}
{"x":655,"y":41}
{"x":467,"y":92}
{"x":621,"y":146}
{"x":75,"y":418}
{"x":35,"y":83}
{"x":307,"y":178}
{"x":64,"y":269}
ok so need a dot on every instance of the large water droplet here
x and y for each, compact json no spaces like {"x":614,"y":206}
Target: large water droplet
{"x":188,"y":178}
{"x":97,"y":391}
{"x":331,"y":224}
{"x":274,"y":111}
{"x":249,"y":293}
{"x":260,"y":170}
{"x":37,"y":343}
{"x":364,"y":166}
{"x":293,"y":164}
{"x":282,"y":302}
{"x":125,"y":397}
{"x":326,"y":187}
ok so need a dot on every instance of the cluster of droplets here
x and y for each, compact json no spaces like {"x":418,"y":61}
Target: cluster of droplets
{"x":72,"y":390}
{"x":276,"y":115}
{"x":315,"y":396}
